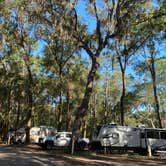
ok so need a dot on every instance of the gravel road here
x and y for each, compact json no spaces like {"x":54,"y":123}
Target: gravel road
{"x":28,"y":156}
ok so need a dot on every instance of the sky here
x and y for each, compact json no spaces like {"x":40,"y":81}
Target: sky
{"x":84,"y":17}
{"x":39,"y":51}
{"x":87,"y":20}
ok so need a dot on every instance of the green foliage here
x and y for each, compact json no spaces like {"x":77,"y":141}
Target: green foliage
{"x":62,"y":68}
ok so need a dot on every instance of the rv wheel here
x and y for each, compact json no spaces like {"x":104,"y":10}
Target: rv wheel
{"x":81,"y":145}
{"x":19,"y":141}
{"x":96,"y":145}
{"x":49,"y":145}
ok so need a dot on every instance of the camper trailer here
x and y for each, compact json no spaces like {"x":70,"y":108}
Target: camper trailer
{"x":38,"y":133}
{"x":17,"y":136}
{"x":138,"y":139}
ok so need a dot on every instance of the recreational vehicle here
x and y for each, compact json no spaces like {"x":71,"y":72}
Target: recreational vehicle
{"x":138,"y":139}
{"x":38,"y":133}
{"x":17,"y":136}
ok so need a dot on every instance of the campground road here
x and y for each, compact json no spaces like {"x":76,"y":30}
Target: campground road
{"x":28,"y":156}
{"x":23,"y":156}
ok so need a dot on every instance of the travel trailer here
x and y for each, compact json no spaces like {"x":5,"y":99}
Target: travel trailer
{"x":18,"y":136}
{"x":38,"y":133}
{"x":138,"y":139}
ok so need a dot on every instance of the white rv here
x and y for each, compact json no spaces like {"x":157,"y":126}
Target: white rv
{"x":138,"y":139}
{"x":19,"y":136}
{"x":38,"y":133}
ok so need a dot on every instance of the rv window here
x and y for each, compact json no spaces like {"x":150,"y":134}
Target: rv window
{"x":107,"y":136}
{"x":68,"y":135}
{"x":153,"y":134}
{"x":163,"y":135}
{"x":59,"y":136}
{"x":33,"y":133}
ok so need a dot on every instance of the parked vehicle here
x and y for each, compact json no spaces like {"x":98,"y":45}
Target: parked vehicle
{"x":38,"y":133}
{"x":82,"y":143}
{"x":61,"y":139}
{"x":139,"y":139}
{"x":10,"y":137}
{"x":19,"y":136}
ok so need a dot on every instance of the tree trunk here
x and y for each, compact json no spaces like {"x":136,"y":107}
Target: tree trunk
{"x":123,"y":70}
{"x":106,"y":101}
{"x":156,"y":101}
{"x":95,"y":110}
{"x":30,"y":104}
{"x":60,"y":113}
{"x":84,"y":128}
{"x":122,"y":98}
{"x":27,"y":121}
{"x":82,"y":110}
{"x":7,"y":116}
{"x":18,"y":115}
{"x":68,"y":118}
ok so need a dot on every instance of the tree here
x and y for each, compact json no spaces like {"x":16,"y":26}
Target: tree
{"x":112,"y":18}
{"x":68,"y":83}
{"x":126,"y":47}
{"x":150,"y":63}
{"x":109,"y":25}
{"x":18,"y":41}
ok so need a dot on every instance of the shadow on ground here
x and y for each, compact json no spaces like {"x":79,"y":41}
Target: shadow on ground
{"x":33,"y":156}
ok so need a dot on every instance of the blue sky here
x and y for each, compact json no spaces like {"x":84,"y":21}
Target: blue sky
{"x":40,"y":49}
{"x":85,"y":19}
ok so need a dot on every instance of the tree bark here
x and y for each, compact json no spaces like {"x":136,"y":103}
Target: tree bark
{"x":60,"y":113}
{"x":156,"y":100}
{"x":84,"y":128}
{"x":7,"y":117}
{"x":30,"y":104}
{"x":68,"y":118}
{"x":122,"y":98}
{"x":82,"y":110}
{"x":18,"y":115}
{"x":106,"y":101}
{"x":27,"y":121}
{"x":123,"y":70}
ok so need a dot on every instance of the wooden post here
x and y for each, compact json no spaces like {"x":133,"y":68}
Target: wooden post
{"x":149,"y":151}
{"x":72,"y":145}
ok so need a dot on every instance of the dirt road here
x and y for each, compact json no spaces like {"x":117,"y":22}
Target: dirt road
{"x":28,"y":156}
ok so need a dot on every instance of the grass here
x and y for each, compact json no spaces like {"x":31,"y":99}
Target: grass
{"x":131,"y":156}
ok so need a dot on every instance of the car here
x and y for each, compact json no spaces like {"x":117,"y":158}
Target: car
{"x":61,"y":139}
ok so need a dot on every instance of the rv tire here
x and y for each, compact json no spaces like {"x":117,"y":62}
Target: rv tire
{"x":49,"y":145}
